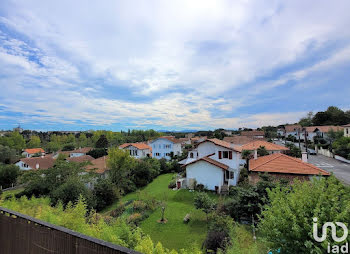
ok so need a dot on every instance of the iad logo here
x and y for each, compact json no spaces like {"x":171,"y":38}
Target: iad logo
{"x":335,"y":248}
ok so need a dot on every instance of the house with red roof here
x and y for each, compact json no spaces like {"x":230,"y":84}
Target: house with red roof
{"x":164,"y":146}
{"x":282,"y":166}
{"x":213,"y":163}
{"x":346,"y":130}
{"x":30,"y":152}
{"x":137,"y":150}
{"x":35,"y":163}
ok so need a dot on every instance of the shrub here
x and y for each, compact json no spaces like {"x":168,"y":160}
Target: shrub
{"x":104,"y":194}
{"x":199,"y":187}
{"x":215,"y":240}
{"x":139,"y":205}
{"x":172,"y":184}
{"x":118,"y":211}
{"x":134,"y":218}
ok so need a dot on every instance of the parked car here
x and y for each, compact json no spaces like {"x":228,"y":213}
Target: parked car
{"x":311,"y":151}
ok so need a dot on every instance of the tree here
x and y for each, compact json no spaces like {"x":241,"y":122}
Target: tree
{"x":203,"y":202}
{"x":262,"y":151}
{"x":102,"y":142}
{"x":97,"y":152}
{"x":8,"y":175}
{"x":104,"y":193}
{"x":332,"y":116}
{"x":246,"y":155}
{"x":70,"y":191}
{"x":287,"y":220}
{"x":306,"y":121}
{"x":34,"y":142}
{"x":121,"y":164}
{"x":16,"y":141}
{"x":7,"y":155}
{"x":68,"y":147}
{"x":82,"y":140}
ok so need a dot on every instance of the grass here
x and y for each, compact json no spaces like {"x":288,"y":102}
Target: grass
{"x":174,"y":234}
{"x":11,"y":192}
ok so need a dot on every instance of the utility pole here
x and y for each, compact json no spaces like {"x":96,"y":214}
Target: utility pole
{"x":306,"y":143}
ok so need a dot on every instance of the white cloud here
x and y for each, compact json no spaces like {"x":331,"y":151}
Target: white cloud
{"x":205,"y":48}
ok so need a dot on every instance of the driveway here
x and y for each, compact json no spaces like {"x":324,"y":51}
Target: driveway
{"x":340,"y":169}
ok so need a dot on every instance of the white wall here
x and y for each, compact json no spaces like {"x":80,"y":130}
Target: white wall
{"x":158,"y":146}
{"x":206,"y":174}
{"x":347,"y":132}
{"x":76,"y":154}
{"x":21,"y":166}
{"x":137,"y":153}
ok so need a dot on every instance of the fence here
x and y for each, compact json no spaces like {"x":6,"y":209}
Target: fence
{"x":23,"y":234}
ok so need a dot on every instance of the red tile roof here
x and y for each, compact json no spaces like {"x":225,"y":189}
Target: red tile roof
{"x":34,"y":150}
{"x":98,"y":165}
{"x":254,"y":145}
{"x":80,"y":159}
{"x":281,"y":163}
{"x":209,"y":160}
{"x":140,"y":146}
{"x":44,"y":162}
{"x":252,"y":133}
{"x":171,"y":138}
{"x":220,"y":143}
{"x":82,"y":150}
{"x":292,"y":127}
{"x":239,"y":140}
{"x":324,"y":129}
{"x":347,"y":125}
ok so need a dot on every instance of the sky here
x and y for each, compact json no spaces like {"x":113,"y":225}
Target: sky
{"x":170,"y":65}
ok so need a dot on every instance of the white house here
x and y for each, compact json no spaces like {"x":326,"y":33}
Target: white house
{"x":347,"y":130}
{"x":137,"y":150}
{"x":80,"y":152}
{"x":214,"y":163}
{"x":36,"y":163}
{"x":33,"y":151}
{"x":319,"y":131}
{"x":293,"y":130}
{"x":162,"y":147}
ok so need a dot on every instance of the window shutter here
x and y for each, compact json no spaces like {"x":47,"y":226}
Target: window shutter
{"x":230,"y":155}
{"x":220,"y":155}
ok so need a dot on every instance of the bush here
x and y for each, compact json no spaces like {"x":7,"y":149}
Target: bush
{"x":118,"y":211}
{"x":172,"y":184}
{"x":97,"y":152}
{"x":199,"y":187}
{"x":139,"y":205}
{"x":134,"y":218}
{"x":104,"y":194}
{"x":69,"y":147}
{"x":8,"y":175}
{"x":70,"y":191}
{"x":215,"y":240}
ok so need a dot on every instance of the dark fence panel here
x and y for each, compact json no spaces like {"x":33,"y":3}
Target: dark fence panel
{"x":23,"y":234}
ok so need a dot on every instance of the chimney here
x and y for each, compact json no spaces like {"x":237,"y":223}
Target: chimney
{"x":304,"y":156}
{"x":255,"y":154}
{"x":37,"y":166}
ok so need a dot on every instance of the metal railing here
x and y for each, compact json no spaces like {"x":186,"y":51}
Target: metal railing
{"x":23,"y":234}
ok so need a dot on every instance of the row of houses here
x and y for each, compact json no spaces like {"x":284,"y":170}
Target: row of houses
{"x":216,"y":164}
{"x":311,"y":132}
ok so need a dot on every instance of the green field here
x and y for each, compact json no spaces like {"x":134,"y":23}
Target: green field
{"x":174,"y":234}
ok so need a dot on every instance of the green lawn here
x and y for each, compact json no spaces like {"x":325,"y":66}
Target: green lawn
{"x":174,"y":234}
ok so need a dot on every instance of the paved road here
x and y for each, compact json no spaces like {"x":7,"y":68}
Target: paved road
{"x":340,"y":169}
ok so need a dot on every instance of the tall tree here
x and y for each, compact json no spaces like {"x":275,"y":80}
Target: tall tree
{"x":102,"y":142}
{"x":287,"y":220}
{"x":121,"y":164}
{"x":34,"y":142}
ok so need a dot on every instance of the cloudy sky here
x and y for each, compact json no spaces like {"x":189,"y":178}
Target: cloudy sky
{"x":76,"y":65}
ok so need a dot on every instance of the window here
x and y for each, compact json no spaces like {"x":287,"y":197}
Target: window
{"x":167,"y":146}
{"x":191,"y":155}
{"x":167,"y":154}
{"x":232,"y":175}
{"x":225,"y":155}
